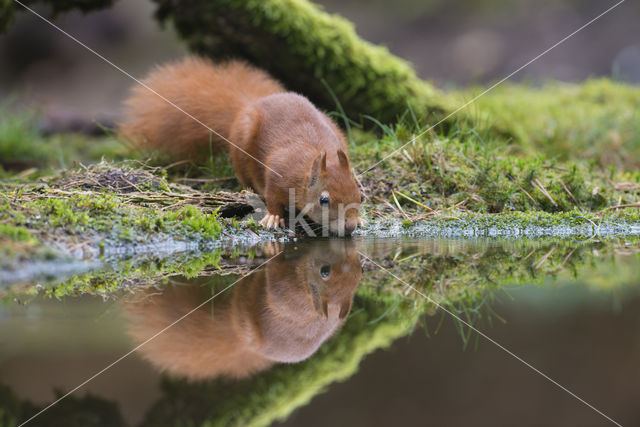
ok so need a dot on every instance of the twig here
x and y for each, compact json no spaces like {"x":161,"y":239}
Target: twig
{"x":395,"y":199}
{"x":564,"y":187}
{"x":178,"y":163}
{"x":522,"y":189}
{"x":25,"y":173}
{"x":362,"y":187}
{"x":543,"y":259}
{"x":630,"y":205}
{"x":536,"y":183}
{"x":567,"y":256}
{"x":414,"y":201}
{"x":421,"y":217}
{"x":381,"y":200}
{"x":222,"y":178}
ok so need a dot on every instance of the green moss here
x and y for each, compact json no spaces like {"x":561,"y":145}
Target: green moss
{"x":597,"y":120}
{"x":18,"y":242}
{"x":17,"y":234}
{"x":107,"y":213}
{"x":195,"y":221}
{"x":141,"y":271}
{"x":111,"y":279}
{"x":101,"y":215}
{"x":320,"y":55}
{"x":481,"y":173}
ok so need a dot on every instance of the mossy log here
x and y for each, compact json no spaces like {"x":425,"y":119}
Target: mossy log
{"x":311,"y":51}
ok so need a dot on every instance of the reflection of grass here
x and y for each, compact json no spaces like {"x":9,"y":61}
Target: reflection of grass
{"x":113,"y":278}
{"x":465,"y":279}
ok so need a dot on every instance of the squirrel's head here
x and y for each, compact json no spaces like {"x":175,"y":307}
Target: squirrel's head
{"x":332,"y":197}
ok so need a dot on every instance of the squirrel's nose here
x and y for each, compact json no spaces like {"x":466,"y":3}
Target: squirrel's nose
{"x":348,"y":228}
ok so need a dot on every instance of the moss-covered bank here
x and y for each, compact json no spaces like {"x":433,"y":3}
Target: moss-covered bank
{"x":103,"y":212}
{"x":115,"y":211}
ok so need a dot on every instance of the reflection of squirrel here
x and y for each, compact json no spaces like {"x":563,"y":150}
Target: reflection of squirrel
{"x":279,"y":140}
{"x":280,"y":313}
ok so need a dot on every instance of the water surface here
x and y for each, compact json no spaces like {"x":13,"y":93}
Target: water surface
{"x":354,"y":332}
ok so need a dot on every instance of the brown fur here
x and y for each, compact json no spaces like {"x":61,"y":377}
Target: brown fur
{"x":282,"y":130}
{"x":281,"y":313}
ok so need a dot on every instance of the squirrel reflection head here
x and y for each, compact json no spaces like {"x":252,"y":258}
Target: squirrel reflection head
{"x":280,"y":313}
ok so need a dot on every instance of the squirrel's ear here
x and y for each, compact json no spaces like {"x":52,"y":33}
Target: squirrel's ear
{"x":318,"y":168}
{"x":344,"y":160}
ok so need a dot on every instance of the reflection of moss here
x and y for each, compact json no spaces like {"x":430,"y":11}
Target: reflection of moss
{"x":10,"y":407}
{"x":6,"y":14}
{"x":72,"y":411}
{"x":461,"y":275}
{"x":139,"y":271}
{"x":273,"y":395}
{"x":451,"y":270}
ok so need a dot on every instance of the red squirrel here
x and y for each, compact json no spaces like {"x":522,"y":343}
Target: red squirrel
{"x":281,"y":313}
{"x":279,"y":142}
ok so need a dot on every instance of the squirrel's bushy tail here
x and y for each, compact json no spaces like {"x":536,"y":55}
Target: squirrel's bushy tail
{"x":212,"y":93}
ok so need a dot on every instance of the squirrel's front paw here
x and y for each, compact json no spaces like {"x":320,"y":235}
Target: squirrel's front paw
{"x":272,"y":222}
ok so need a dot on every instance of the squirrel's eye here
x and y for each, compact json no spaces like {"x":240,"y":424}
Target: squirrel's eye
{"x":325,"y":270}
{"x":324,"y":200}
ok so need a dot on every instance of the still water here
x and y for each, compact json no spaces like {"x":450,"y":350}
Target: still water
{"x":333,"y":332}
